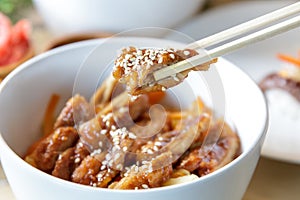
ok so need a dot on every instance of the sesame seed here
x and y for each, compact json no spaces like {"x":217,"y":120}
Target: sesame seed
{"x":80,"y":144}
{"x":94,"y":185}
{"x":100,"y":144}
{"x":127,"y":56}
{"x":113,"y":127}
{"x":119,"y":166}
{"x":131,"y":135}
{"x":145,"y":186}
{"x":172,"y":56}
{"x":186,"y":52}
{"x":125,"y":148}
{"x":102,"y":167}
{"x":136,"y":188}
{"x":104,"y":162}
{"x":96,"y":152}
{"x":155,"y":148}
{"x":77,"y":160}
{"x":161,"y":59}
{"x":149,"y":151}
{"x":157,"y":143}
{"x":99,"y":175}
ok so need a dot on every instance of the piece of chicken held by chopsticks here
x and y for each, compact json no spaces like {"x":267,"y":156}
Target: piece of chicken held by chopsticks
{"x":134,"y":67}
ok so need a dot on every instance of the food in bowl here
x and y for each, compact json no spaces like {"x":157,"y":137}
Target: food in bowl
{"x":15,"y":46}
{"x":283,"y":87}
{"x":134,"y":67}
{"x":23,"y":99}
{"x":125,"y":147}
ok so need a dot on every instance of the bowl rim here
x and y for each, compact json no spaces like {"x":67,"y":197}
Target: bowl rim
{"x":5,"y":148}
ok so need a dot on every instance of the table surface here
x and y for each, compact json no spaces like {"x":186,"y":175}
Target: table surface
{"x":271,"y":180}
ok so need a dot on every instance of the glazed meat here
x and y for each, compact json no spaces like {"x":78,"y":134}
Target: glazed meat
{"x":149,"y":175}
{"x":210,"y":157}
{"x":131,"y":144}
{"x":69,"y":160}
{"x":134,"y":67}
{"x":76,"y":111}
{"x":64,"y":165}
{"x":45,"y":152}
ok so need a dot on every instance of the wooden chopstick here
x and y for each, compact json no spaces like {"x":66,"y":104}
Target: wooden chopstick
{"x":253,"y":24}
{"x":229,"y":47}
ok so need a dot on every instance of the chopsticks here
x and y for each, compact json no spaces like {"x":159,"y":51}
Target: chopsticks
{"x":238,"y":43}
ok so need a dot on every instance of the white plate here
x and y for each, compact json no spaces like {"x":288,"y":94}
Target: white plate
{"x":283,"y":140}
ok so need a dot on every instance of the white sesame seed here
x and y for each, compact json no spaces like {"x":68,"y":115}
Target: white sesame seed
{"x":145,"y":186}
{"x":100,"y":144}
{"x":94,"y":185}
{"x":77,"y":160}
{"x":172,"y":56}
{"x":102,"y":167}
{"x":104,"y":162}
{"x":136,"y":169}
{"x":119,"y":166}
{"x":80,"y":144}
{"x":125,"y":148}
{"x":136,"y":188}
{"x":157,"y":143}
{"x":96,"y":152}
{"x":161,"y":59}
{"x":99,"y":175}
{"x":127,"y":56}
{"x":149,"y":151}
{"x":155,"y":148}
{"x":131,"y":135}
{"x":186,"y":52}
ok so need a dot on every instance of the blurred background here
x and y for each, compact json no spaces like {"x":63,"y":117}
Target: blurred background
{"x":58,"y":19}
{"x":58,"y":22}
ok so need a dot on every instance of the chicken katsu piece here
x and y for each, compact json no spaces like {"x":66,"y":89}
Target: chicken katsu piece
{"x":134,"y":67}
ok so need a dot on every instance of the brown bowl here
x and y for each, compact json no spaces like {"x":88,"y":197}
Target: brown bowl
{"x":75,"y":38}
{"x":5,"y":70}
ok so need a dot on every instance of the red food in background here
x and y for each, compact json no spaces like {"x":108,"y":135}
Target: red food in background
{"x":14,"y":40}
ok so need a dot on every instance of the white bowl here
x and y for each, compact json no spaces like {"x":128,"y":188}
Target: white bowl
{"x":24,"y":95}
{"x":78,"y":16}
